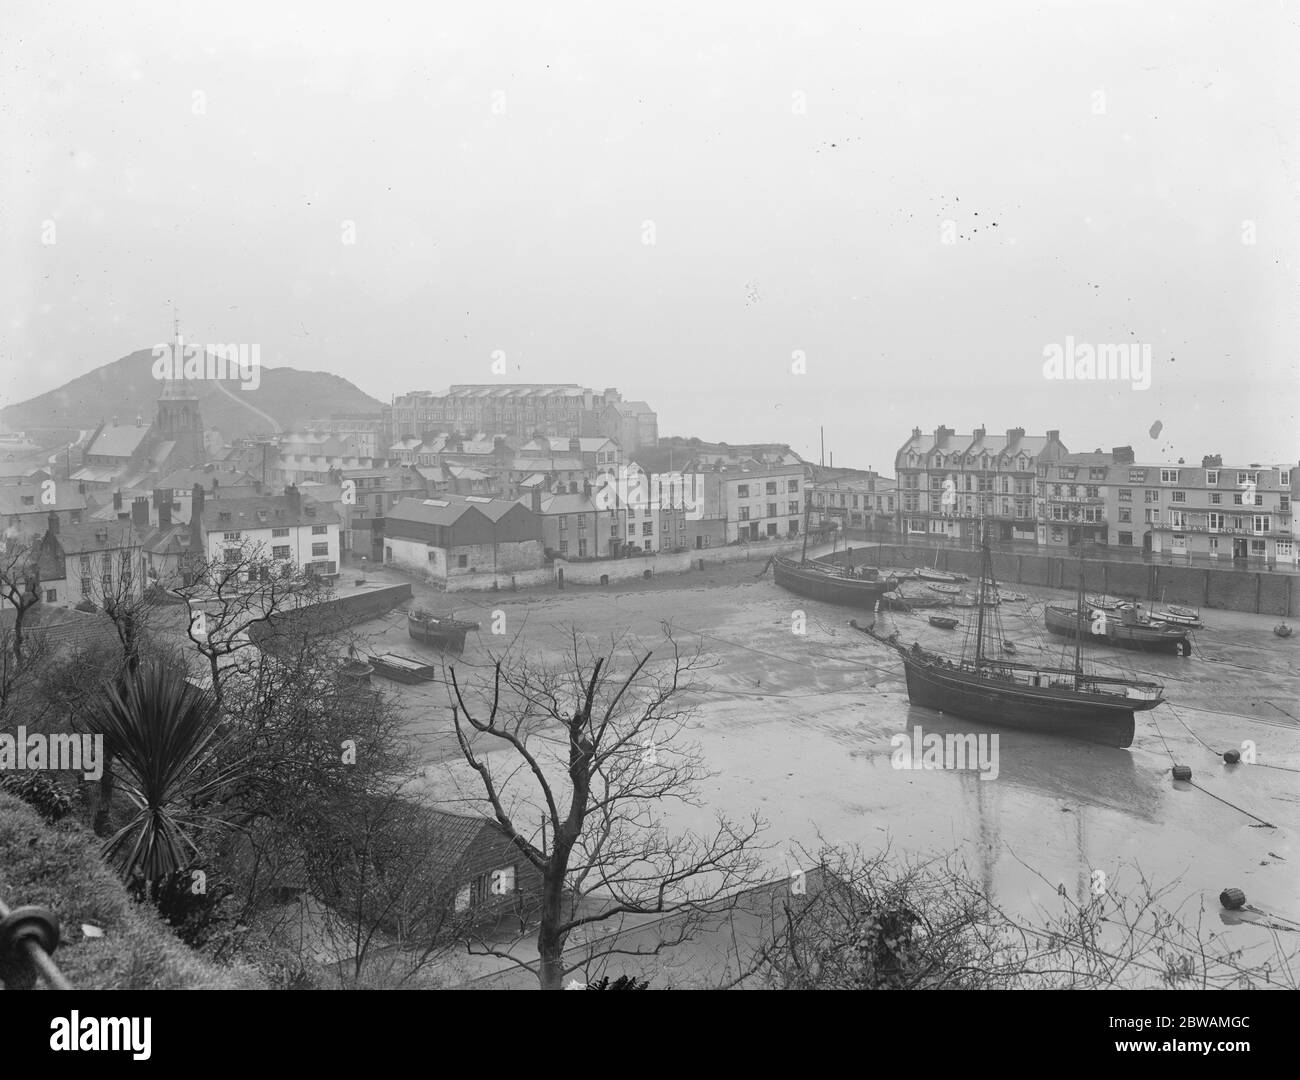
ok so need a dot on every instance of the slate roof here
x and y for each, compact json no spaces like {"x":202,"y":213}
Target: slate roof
{"x":448,"y":509}
{"x":66,"y":629}
{"x":279,"y":514}
{"x":11,"y":499}
{"x":119,"y":440}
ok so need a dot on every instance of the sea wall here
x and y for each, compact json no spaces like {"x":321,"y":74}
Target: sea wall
{"x":1229,"y":588}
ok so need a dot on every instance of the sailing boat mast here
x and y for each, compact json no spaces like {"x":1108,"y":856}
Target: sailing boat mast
{"x":807,"y":505}
{"x":1078,"y":617}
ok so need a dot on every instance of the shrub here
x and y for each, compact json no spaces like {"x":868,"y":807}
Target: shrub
{"x":37,"y":790}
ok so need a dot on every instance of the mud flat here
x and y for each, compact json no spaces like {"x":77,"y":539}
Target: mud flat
{"x":799,"y":728}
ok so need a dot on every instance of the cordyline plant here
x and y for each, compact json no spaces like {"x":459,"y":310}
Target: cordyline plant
{"x":162,"y":735}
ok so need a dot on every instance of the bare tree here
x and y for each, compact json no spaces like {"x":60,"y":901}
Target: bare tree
{"x":601,"y":756}
{"x":873,"y":922}
{"x":20,"y":586}
{"x":233,"y":600}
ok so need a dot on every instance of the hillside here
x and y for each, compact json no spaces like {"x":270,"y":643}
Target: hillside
{"x":126,"y":387}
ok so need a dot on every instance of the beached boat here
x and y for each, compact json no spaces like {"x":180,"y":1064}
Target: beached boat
{"x":860,"y":586}
{"x":403,"y":669}
{"x":944,"y":622}
{"x":954,"y":590}
{"x":1011,"y":597}
{"x":1282,"y":630}
{"x":938,"y":575}
{"x":1052,"y":700}
{"x":440,"y":631}
{"x":1104,"y":603}
{"x":1126,"y":628}
{"x":1178,"y":616}
{"x":1009,"y":647}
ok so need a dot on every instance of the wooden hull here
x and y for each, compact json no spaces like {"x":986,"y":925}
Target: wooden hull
{"x":1022,"y":708}
{"x":403,"y":673}
{"x":828,"y":586}
{"x":1145,"y":637}
{"x":446,"y":634}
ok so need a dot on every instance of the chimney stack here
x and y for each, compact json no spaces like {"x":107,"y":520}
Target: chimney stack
{"x":1122,"y":455}
{"x":140,"y":512}
{"x":162,"y":504}
{"x":295,"y":499}
{"x":537,"y":498}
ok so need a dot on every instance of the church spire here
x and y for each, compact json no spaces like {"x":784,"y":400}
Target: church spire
{"x":174,"y":388}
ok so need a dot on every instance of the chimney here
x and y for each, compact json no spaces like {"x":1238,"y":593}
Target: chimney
{"x":942,"y":432}
{"x":257,"y":487}
{"x":1122,"y":455}
{"x":1014,"y":433}
{"x":916,"y":432}
{"x":140,"y":512}
{"x":196,"y":520}
{"x":1212,"y":461}
{"x":1054,"y":436}
{"x":537,"y":498}
{"x":117,"y":501}
{"x":53,"y":520}
{"x":295,"y":499}
{"x":162,"y":503}
{"x":139,"y":420}
{"x":215,"y":484}
{"x":980,"y":432}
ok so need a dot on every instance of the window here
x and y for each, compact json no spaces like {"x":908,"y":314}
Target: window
{"x":230,"y":536}
{"x":743,"y":513}
{"x":1152,"y":496}
{"x":320,"y":549}
{"x":564,"y":548}
{"x":1236,"y":499}
{"x":320,"y":530}
{"x":1093,"y":492}
{"x":771,"y":510}
{"x":1056,"y":490}
{"x":1211,"y":476}
{"x":647,"y":546}
{"x":1125,"y":494}
{"x":1284,"y":503}
{"x":742,"y":491}
{"x":1169,"y":476}
{"x":793,"y":507}
{"x":1215,"y":498}
{"x":1126,"y":515}
{"x":51,"y":595}
{"x":1216,"y":522}
{"x":1126,"y":539}
{"x":771,"y":528}
{"x":280,"y":551}
{"x":231,"y":555}
{"x":1137,"y":476}
{"x":771,"y":487}
{"x":278,"y":533}
{"x":582,"y":525}
{"x":1178,"y":496}
{"x":647,"y":528}
{"x":1177,"y":519}
{"x":462,"y":562}
{"x":1263,"y":523}
{"x":792,"y":486}
{"x":1257,"y":547}
{"x":582,"y":548}
{"x":563,"y":521}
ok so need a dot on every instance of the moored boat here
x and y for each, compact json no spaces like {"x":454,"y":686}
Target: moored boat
{"x":1052,"y":700}
{"x":441,"y":631}
{"x":926,"y":574}
{"x":954,"y":590}
{"x":1282,"y":630}
{"x":403,"y":669}
{"x":852,"y":586}
{"x":943,"y":622}
{"x":1126,"y":628}
{"x":1178,"y":616}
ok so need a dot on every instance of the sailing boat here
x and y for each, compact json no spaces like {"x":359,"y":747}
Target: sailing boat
{"x":853,"y":586}
{"x":1053,"y":700}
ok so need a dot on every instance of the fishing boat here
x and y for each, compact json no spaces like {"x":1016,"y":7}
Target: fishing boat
{"x":1282,"y":630}
{"x":1063,"y":701}
{"x":440,"y":631}
{"x":943,"y":622}
{"x":403,"y":669}
{"x":853,"y":586}
{"x":1126,"y":628}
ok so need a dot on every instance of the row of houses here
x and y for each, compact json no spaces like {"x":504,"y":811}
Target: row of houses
{"x":1032,"y":489}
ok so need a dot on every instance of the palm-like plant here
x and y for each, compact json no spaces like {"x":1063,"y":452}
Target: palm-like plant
{"x":161,"y":733}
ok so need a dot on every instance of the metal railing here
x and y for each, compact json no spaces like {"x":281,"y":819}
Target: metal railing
{"x":28,"y":937}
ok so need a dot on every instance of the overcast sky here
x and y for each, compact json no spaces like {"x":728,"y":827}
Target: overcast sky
{"x":502,"y":168}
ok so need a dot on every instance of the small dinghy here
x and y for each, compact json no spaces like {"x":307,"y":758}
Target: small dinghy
{"x":943,"y":622}
{"x":1177,"y":616}
{"x":1282,"y":630}
{"x":1009,"y":647}
{"x":1011,"y":597}
{"x":1104,"y":603}
{"x":950,"y":590}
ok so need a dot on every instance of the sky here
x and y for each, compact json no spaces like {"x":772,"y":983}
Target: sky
{"x":765,"y":219}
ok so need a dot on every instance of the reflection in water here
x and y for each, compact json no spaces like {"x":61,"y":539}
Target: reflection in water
{"x":1063,"y":769}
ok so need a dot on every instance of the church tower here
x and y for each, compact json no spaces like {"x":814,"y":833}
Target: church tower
{"x":179,"y":419}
